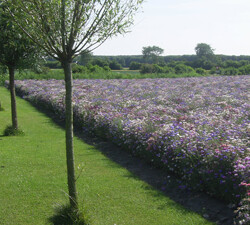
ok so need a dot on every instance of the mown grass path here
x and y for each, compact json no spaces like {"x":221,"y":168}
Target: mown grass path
{"x":33,"y":179}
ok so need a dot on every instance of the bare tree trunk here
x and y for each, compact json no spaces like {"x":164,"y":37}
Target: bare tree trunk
{"x":69,"y":136}
{"x":13,"y":97}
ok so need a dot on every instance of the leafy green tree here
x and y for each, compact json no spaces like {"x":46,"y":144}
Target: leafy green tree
{"x":201,"y":71}
{"x":182,"y":68}
{"x":157,"y":69}
{"x":232,"y":63}
{"x":134,"y":65}
{"x":146,"y":68}
{"x":204,"y":63}
{"x":100,"y":62}
{"x":206,"y":57}
{"x":152,"y":53}
{"x":243,"y":70}
{"x":66,"y":28}
{"x":16,"y":52}
{"x":204,"y":50}
{"x":114,"y":65}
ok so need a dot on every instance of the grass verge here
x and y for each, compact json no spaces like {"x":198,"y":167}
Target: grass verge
{"x":33,"y":179}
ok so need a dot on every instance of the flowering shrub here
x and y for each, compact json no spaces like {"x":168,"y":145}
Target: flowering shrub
{"x":196,"y":128}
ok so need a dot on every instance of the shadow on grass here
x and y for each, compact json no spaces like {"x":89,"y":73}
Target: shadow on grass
{"x":210,"y":208}
{"x":10,"y":131}
{"x":65,"y":216}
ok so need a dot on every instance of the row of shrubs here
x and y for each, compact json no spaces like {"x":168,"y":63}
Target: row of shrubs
{"x":182,"y":68}
{"x":113,"y":65}
{"x":177,"y":69}
{"x":243,"y":70}
{"x":174,"y":67}
{"x":76,"y":69}
{"x":89,"y":69}
{"x":144,"y":69}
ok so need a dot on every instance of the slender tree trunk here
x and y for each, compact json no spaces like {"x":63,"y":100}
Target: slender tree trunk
{"x":13,"y":97}
{"x":69,"y":136}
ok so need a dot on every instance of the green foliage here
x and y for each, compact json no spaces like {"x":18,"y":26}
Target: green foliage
{"x":204,"y":63}
{"x":203,"y":49}
{"x":135,"y":66}
{"x":181,"y":68}
{"x":78,"y":68}
{"x":162,"y":69}
{"x":230,"y":71}
{"x":189,"y":60}
{"x":231,"y":63}
{"x":168,"y":70}
{"x":146,"y":68}
{"x":41,"y":69}
{"x":65,"y":215}
{"x":201,"y":71}
{"x":105,"y":63}
{"x":114,"y":65}
{"x":10,"y":131}
{"x":16,"y":50}
{"x":107,"y":68}
{"x":102,"y":74}
{"x":99,"y":62}
{"x":244,"y":70}
{"x":84,"y":58}
{"x":3,"y":77}
{"x":30,"y":74}
{"x":152,"y":53}
{"x":157,"y":69}
{"x":53,"y":64}
{"x":94,"y":68}
{"x":215,"y":70}
{"x":3,"y":69}
{"x":89,"y":69}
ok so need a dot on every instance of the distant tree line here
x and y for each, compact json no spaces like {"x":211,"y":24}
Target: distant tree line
{"x":151,"y":61}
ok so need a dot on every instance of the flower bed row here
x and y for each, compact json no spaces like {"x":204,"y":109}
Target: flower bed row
{"x":196,"y":128}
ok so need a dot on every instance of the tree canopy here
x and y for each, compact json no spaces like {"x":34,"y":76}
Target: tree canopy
{"x":67,"y":28}
{"x":16,"y":49}
{"x":152,"y":53}
{"x":16,"y":52}
{"x":204,"y":50}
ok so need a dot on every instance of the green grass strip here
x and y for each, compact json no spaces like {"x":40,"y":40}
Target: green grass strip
{"x":33,"y":179}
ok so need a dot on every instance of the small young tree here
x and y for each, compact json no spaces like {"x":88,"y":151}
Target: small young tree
{"x":66,"y":28}
{"x":16,"y":52}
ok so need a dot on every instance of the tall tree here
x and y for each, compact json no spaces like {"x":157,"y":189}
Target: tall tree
{"x":66,"y":28}
{"x":152,"y":53}
{"x":205,"y":56}
{"x":204,"y":50}
{"x":16,"y":52}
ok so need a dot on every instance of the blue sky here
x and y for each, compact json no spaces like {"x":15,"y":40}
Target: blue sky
{"x":178,"y":26}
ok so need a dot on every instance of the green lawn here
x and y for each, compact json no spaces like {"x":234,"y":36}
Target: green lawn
{"x":33,"y":179}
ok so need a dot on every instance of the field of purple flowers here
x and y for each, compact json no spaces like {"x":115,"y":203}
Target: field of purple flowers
{"x":196,"y":128}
